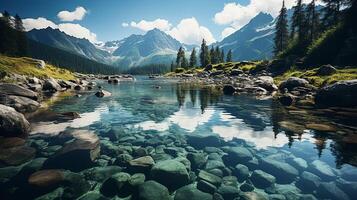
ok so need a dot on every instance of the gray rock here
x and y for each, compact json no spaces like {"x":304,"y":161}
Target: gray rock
{"x":198,"y":160}
{"x":137,"y":179}
{"x":229,"y":90}
{"x":237,"y":155}
{"x":283,"y":172}
{"x":261,"y":179}
{"x":151,"y":190}
{"x":16,"y":90}
{"x":308,"y":181}
{"x":103,"y":93}
{"x":246,"y":187}
{"x":253,"y":196}
{"x":206,"y":187}
{"x":200,"y":142}
{"x":40,"y":64}
{"x":51,"y":85}
{"x":228,"y":192}
{"x":99,"y":174}
{"x":342,"y":93}
{"x":190,"y":192}
{"x":323,"y":170}
{"x":45,"y":180}
{"x":78,"y":154}
{"x":326,"y":70}
{"x":21,"y":104}
{"x":117,"y":184}
{"x":214,"y":164}
{"x":241,"y":172}
{"x":12,"y":122}
{"x":267,"y":82}
{"x":331,"y":191}
{"x":92,"y":196}
{"x":292,"y":83}
{"x":211,"y":178}
{"x":173,"y":169}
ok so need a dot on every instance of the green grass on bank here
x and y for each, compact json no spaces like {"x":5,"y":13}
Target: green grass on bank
{"x":318,"y":81}
{"x":28,"y":66}
{"x":226,"y":67}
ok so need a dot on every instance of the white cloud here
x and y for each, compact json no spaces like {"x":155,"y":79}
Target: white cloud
{"x":78,"y":31}
{"x":237,"y":15}
{"x":39,"y":23}
{"x":77,"y":14}
{"x":75,"y":30}
{"x":0,"y":14}
{"x":124,"y":24}
{"x":189,"y":31}
{"x":144,"y":25}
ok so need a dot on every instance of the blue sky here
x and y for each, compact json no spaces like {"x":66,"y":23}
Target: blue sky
{"x":186,"y":20}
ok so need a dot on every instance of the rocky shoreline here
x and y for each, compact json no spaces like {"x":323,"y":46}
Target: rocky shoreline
{"x":290,"y":92}
{"x":84,"y":164}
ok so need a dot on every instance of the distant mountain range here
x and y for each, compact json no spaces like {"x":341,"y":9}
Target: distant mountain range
{"x":254,"y":41}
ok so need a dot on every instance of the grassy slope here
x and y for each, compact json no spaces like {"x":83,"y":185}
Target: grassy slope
{"x":310,"y":75}
{"x":27,"y":66}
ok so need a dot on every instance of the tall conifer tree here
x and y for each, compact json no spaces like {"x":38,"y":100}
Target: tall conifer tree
{"x":282,"y":33}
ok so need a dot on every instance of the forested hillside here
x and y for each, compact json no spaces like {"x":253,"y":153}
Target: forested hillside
{"x":15,"y":43}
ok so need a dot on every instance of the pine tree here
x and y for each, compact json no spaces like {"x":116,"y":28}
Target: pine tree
{"x":281,"y":34}
{"x":21,"y":37}
{"x":332,"y":10}
{"x":213,"y":55}
{"x":229,"y":56}
{"x":172,"y":67}
{"x":179,"y":56}
{"x":298,"y":20}
{"x":221,"y":57}
{"x":6,"y":17}
{"x":313,"y":21}
{"x":18,"y":23}
{"x":184,"y":63}
{"x":205,"y":58}
{"x":193,"y":58}
{"x":217,"y":54}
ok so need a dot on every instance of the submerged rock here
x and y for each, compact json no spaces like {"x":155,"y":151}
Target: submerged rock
{"x":228,"y":192}
{"x":103,"y":93}
{"x":283,"y":172}
{"x":17,"y":155}
{"x":78,"y":154}
{"x":342,"y":93}
{"x":323,"y":170}
{"x":152,"y":190}
{"x":209,"y":177}
{"x":331,"y":191}
{"x":46,"y":180}
{"x":117,"y":184}
{"x":308,"y":181}
{"x":99,"y":174}
{"x":173,"y":169}
{"x":12,"y":122}
{"x":241,"y":172}
{"x":261,"y":179}
{"x":192,"y":193}
{"x":237,"y":155}
{"x":200,"y":142}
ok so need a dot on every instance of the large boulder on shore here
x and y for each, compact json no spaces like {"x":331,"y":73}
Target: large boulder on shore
{"x":342,"y":93}
{"x":266,"y":82}
{"x":326,"y":70}
{"x":292,"y":83}
{"x":21,"y":104}
{"x":78,"y":154}
{"x":52,"y":85}
{"x":173,"y":169}
{"x":16,"y":90}
{"x":12,"y":122}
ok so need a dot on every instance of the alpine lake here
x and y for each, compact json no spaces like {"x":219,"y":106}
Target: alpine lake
{"x":193,"y":140}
